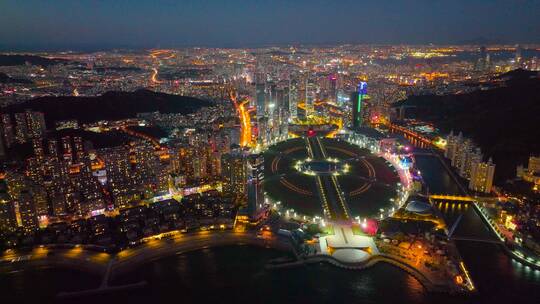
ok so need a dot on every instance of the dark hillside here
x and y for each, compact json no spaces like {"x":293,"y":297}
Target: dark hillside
{"x":109,"y":106}
{"x":504,"y":121}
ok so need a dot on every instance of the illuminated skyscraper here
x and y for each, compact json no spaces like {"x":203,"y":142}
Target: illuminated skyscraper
{"x":8,"y":221}
{"x":310,"y":97}
{"x":293,"y":98}
{"x":7,"y":130}
{"x":333,"y":88}
{"x":255,"y":176}
{"x":234,"y":173}
{"x":357,"y":99}
{"x":534,"y":164}
{"x":53,"y":148}
{"x":79,"y":149}
{"x":37,"y":146}
{"x":35,"y":122}
{"x":483,"y":60}
{"x":21,"y":131}
{"x":482,"y":176}
{"x":27,"y":211}
{"x":66,"y":149}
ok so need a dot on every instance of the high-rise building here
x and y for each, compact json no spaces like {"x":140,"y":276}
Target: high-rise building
{"x":21,"y":130}
{"x":333,"y":88}
{"x":8,"y":220}
{"x":453,"y":144}
{"x":271,"y":99}
{"x":200,"y":166}
{"x":531,"y":174}
{"x":260,"y":96}
{"x":462,"y":153}
{"x":483,"y":63}
{"x":293,"y":98}
{"x":35,"y":122}
{"x":357,"y":100}
{"x":27,"y":211}
{"x":234,"y":173}
{"x":79,"y":148}
{"x":482,"y":176}
{"x":310,"y":97}
{"x":7,"y":130}
{"x":53,"y":148}
{"x":460,"y":159}
{"x":263,"y":131}
{"x":255,"y":177}
{"x":534,"y":164}
{"x":37,"y":146}
{"x":474,"y":156}
{"x":67,"y":151}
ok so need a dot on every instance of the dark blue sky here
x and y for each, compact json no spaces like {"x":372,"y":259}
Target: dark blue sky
{"x":79,"y":24}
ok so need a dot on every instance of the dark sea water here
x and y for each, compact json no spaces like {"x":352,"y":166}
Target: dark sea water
{"x":237,"y":274}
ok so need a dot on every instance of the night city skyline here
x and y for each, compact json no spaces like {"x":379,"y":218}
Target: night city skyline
{"x":93,"y":25}
{"x":270,"y":151}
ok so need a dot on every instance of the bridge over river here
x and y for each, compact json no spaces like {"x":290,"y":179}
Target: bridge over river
{"x":459,"y":210}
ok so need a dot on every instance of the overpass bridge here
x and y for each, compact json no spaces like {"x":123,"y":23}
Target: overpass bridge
{"x":445,"y":197}
{"x":472,"y":224}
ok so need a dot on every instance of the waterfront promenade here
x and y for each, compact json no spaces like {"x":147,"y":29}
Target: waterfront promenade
{"x":84,"y":259}
{"x":108,"y":265}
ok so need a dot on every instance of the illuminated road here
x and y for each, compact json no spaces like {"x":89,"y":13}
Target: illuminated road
{"x":245,"y":120}
{"x":91,"y":261}
{"x":159,"y":55}
{"x":73,"y":258}
{"x":330,"y":193}
{"x":162,"y":54}
{"x":153,"y":77}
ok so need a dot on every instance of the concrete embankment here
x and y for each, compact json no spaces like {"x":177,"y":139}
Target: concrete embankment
{"x":94,"y":262}
{"x":133,"y":258}
{"x":60,"y":259}
{"x":428,"y":284}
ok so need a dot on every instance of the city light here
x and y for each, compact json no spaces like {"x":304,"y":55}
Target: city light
{"x":114,"y":158}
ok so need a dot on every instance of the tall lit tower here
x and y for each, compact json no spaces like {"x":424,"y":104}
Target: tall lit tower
{"x":483,"y":59}
{"x":234,"y":173}
{"x":293,"y":98}
{"x":482,"y":176}
{"x":357,"y":98}
{"x":333,"y":88}
{"x":255,"y":177}
{"x":310,"y":97}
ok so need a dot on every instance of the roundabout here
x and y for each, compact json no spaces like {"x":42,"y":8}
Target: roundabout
{"x":328,"y":178}
{"x":322,"y":167}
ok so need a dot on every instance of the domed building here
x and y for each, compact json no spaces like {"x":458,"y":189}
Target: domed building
{"x":419,"y":206}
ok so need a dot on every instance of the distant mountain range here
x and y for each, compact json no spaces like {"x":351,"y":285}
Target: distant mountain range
{"x":109,"y":106}
{"x":481,"y":41}
{"x":503,"y":121}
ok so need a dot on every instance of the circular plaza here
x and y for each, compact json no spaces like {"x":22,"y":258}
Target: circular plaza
{"x":365,"y":182}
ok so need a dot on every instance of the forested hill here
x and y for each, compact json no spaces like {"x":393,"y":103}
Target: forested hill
{"x":504,"y":121}
{"x":109,"y":106}
{"x":12,"y":60}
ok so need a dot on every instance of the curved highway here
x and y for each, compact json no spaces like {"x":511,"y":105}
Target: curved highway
{"x":96,"y":262}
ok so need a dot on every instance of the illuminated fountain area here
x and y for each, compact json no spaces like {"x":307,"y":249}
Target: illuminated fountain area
{"x":329,"y":166}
